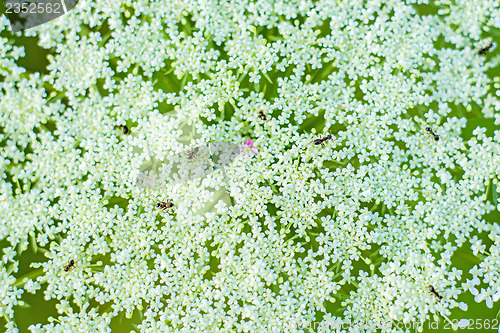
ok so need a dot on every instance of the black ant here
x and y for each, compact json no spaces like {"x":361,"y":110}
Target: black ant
{"x":432,"y":290}
{"x":262,"y":116}
{"x":485,"y":49}
{"x":124,"y":129}
{"x":164,"y":205}
{"x":192,"y":152}
{"x":70,"y":265}
{"x":320,"y":141}
{"x":429,"y":130}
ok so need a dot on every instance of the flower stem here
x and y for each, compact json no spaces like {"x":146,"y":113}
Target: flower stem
{"x":267,"y":77}
{"x":453,"y":326}
{"x":23,"y":279}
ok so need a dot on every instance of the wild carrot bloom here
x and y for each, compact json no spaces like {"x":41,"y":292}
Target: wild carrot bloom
{"x":392,"y":221}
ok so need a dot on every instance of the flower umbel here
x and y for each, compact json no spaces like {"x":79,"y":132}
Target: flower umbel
{"x":120,"y":155}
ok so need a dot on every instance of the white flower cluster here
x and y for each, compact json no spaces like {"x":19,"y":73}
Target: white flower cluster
{"x":9,"y":293}
{"x":362,"y":173}
{"x":487,"y":272}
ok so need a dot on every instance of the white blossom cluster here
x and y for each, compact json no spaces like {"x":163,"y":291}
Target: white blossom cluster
{"x":368,"y":165}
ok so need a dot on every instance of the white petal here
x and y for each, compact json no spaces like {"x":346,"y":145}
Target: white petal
{"x":463,"y":306}
{"x":463,"y":323}
{"x":489,"y":302}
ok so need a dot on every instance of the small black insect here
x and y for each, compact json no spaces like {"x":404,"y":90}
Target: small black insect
{"x":192,"y":152}
{"x":70,"y":265}
{"x":432,"y":290}
{"x":164,"y":205}
{"x":485,"y":49}
{"x":435,"y":136}
{"x":262,"y":116}
{"x":124,"y":129}
{"x":320,"y":141}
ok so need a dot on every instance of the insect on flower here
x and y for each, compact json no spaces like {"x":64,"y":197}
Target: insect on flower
{"x":124,"y":128}
{"x":432,"y":290}
{"x":164,"y":205}
{"x":435,"y":136}
{"x":192,"y":152}
{"x":262,"y":116}
{"x":70,"y":265}
{"x":321,"y":141}
{"x":485,"y":49}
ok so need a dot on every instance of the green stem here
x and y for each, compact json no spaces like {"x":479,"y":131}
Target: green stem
{"x":487,"y":190}
{"x":297,"y":161}
{"x":96,"y":265}
{"x":232,"y":201}
{"x":268,"y":78}
{"x":187,"y":28}
{"x":242,"y":77}
{"x":222,"y":111}
{"x":327,"y":70}
{"x":332,"y":267}
{"x":257,"y":87}
{"x":105,"y":198}
{"x":18,"y":185}
{"x":379,"y":260}
{"x":272,"y":186}
{"x":494,"y":193}
{"x":169,"y":81}
{"x":141,"y":209}
{"x":274,"y":38}
{"x":53,"y":99}
{"x":6,"y":318}
{"x":453,"y":326}
{"x":183,"y":82}
{"x":216,"y":251}
{"x":34,"y":246}
{"x":31,"y":275}
{"x":105,"y":39}
{"x":344,"y":296}
{"x":374,"y":207}
{"x":108,"y":309}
